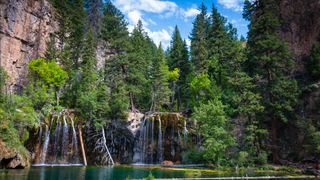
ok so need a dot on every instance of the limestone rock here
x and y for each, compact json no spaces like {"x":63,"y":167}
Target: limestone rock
{"x":134,"y":120}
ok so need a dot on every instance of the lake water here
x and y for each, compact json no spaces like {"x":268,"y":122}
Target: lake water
{"x":117,"y":173}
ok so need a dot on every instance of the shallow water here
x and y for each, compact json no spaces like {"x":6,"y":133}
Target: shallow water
{"x":118,"y":173}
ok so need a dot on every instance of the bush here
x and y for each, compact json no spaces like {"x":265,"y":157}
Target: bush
{"x":193,"y":156}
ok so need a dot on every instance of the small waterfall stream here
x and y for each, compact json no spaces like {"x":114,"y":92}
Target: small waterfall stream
{"x":160,"y":144}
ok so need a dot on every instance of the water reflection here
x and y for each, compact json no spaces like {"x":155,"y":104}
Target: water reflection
{"x":117,"y":172}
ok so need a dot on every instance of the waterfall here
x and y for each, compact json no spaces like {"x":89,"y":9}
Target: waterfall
{"x":75,"y":142}
{"x":160,"y":144}
{"x":40,"y":135}
{"x":55,"y":147}
{"x":152,"y":140}
{"x":65,"y":137}
{"x":185,"y":132}
{"x":173,"y":152}
{"x":46,"y":144}
{"x":160,"y":138}
{"x":57,"y":137}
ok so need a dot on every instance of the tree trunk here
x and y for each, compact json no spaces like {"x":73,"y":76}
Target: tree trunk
{"x":274,"y":139}
{"x":82,"y":147}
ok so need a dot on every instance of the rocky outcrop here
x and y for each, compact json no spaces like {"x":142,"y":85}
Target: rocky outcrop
{"x":9,"y":158}
{"x":300,"y":27}
{"x":25,"y":27}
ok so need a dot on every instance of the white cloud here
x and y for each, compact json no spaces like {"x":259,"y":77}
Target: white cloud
{"x":154,"y":6}
{"x":135,"y":10}
{"x":134,"y":16}
{"x":235,"y":5}
{"x":188,"y":42}
{"x":162,"y":36}
{"x":191,"y":12}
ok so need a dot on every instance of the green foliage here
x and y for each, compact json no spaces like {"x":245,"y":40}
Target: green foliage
{"x":212,"y":125}
{"x":46,"y":81}
{"x":199,"y":44}
{"x":139,"y":61}
{"x":193,"y":156}
{"x":114,"y":28}
{"x":48,"y":71}
{"x":178,"y":59}
{"x":16,"y":117}
{"x":270,"y":63}
{"x":160,"y":81}
{"x":314,"y":62}
{"x":150,"y":177}
{"x":202,"y":90}
{"x":87,"y":100}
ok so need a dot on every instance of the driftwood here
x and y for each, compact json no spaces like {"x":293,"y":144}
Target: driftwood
{"x":82,"y":147}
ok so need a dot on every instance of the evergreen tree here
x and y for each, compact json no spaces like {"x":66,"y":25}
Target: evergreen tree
{"x":87,"y":101}
{"x":314,"y":62}
{"x":94,"y":9}
{"x":270,"y":63}
{"x":179,"y":58}
{"x":199,"y":44}
{"x":139,"y":62}
{"x":160,"y":81}
{"x":114,"y":29}
{"x":114,"y":33}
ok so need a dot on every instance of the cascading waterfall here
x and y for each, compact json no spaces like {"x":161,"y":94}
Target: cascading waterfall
{"x":46,"y":144}
{"x":160,"y":138}
{"x":173,"y":152}
{"x":56,"y":147}
{"x":57,"y":138}
{"x":65,"y":137}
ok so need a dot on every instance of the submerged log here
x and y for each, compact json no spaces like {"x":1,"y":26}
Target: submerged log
{"x":82,"y":147}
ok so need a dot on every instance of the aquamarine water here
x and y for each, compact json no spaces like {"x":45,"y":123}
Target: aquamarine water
{"x":116,"y":173}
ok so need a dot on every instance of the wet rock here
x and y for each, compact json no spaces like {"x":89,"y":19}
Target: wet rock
{"x":166,"y":163}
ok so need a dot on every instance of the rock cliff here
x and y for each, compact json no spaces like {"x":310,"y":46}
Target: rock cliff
{"x":300,"y":27}
{"x":25,"y":27}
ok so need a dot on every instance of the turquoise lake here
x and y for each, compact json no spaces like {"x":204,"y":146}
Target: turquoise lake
{"x":118,"y":173}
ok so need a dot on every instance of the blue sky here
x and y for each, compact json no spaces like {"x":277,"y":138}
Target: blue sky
{"x":160,"y":16}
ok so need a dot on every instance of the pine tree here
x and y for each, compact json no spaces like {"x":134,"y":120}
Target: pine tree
{"x":199,"y":44}
{"x":160,"y":81}
{"x":179,"y":58}
{"x":114,"y":33}
{"x":139,"y":61}
{"x":114,"y":29}
{"x":87,"y":101}
{"x":270,"y":63}
{"x":94,"y":9}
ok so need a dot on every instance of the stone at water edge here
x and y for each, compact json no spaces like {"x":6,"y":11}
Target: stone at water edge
{"x":166,"y":163}
{"x":9,"y":158}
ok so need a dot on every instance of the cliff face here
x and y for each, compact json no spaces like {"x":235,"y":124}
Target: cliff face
{"x":301,"y":27}
{"x":25,"y":27}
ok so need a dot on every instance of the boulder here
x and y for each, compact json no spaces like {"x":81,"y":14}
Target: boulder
{"x":166,"y":163}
